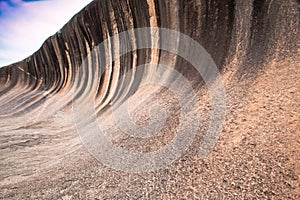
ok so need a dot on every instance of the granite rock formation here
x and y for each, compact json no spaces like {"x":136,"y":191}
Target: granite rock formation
{"x":255,"y":45}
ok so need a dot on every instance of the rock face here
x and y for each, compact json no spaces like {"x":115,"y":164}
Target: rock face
{"x":255,"y":45}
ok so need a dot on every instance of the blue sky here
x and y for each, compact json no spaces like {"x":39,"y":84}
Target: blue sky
{"x":26,"y":24}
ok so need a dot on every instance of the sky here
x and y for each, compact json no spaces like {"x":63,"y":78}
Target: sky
{"x":26,"y":24}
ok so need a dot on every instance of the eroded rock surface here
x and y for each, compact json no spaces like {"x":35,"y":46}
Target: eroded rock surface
{"x":255,"y":45}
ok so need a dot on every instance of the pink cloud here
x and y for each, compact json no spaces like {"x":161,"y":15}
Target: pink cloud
{"x":26,"y":27}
